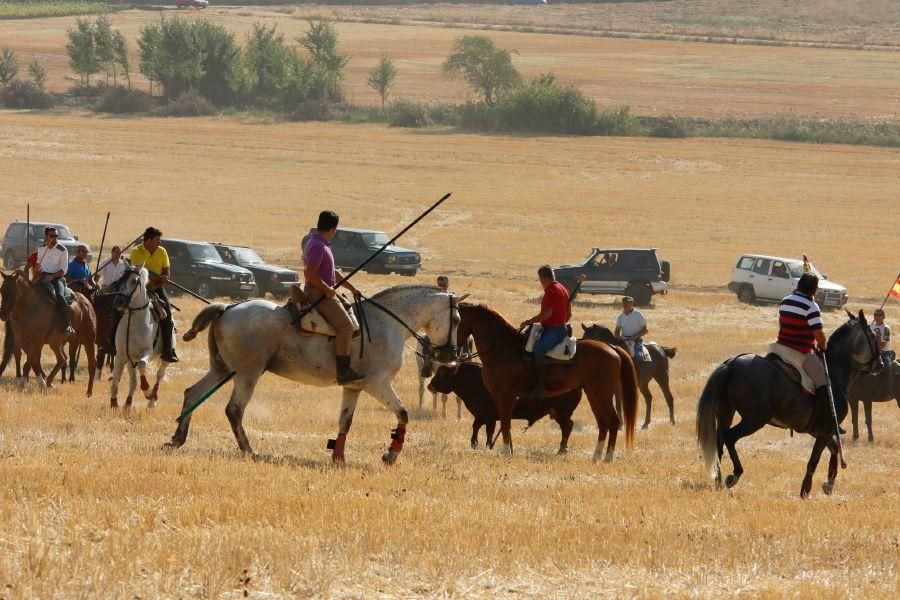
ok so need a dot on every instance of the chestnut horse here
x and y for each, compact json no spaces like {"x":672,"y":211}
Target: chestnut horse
{"x":36,"y":324}
{"x":598,"y":369}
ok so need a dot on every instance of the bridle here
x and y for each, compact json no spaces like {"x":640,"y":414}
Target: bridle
{"x":129,"y":309}
{"x":429,"y":350}
{"x":869,"y":366}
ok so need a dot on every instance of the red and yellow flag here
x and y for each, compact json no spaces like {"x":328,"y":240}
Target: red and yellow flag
{"x":895,"y":291}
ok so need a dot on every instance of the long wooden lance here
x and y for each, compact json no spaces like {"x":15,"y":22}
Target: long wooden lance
{"x":294,"y":322}
{"x":124,"y":250}
{"x":103,"y":239}
{"x":27,"y":237}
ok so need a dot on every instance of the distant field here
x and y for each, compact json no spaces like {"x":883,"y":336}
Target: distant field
{"x":11,"y":9}
{"x":653,"y":77}
{"x":92,"y":507}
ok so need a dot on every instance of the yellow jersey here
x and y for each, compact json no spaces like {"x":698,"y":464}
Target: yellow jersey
{"x":154,"y":262}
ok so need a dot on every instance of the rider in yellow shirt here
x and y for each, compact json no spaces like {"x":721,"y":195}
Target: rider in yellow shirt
{"x":155,"y":259}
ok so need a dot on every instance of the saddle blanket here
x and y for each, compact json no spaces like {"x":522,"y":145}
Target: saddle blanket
{"x":68,"y":294}
{"x":312,"y":321}
{"x":645,"y":354}
{"x":565,"y":350}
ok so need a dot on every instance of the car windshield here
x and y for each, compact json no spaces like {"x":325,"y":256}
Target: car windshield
{"x":246,"y":256}
{"x":62,"y":232}
{"x":376,"y":239}
{"x":796,"y":269}
{"x":204,"y":252}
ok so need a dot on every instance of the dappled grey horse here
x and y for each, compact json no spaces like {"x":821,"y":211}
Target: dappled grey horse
{"x":257,"y":336}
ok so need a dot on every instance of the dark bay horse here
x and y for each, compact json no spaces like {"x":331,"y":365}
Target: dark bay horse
{"x":104,"y":311}
{"x":762,"y":394}
{"x":868,"y":389}
{"x":36,"y":323}
{"x":657,"y":369}
{"x":598,"y":369}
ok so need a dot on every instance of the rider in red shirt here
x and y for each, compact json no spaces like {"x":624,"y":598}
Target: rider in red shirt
{"x":555,"y":314}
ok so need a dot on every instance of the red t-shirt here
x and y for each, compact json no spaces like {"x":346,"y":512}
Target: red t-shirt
{"x":556,"y":297}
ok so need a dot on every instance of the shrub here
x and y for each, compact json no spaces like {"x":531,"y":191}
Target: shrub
{"x":121,"y":100}
{"x":618,"y":121}
{"x":665,"y":127}
{"x":190,"y":104}
{"x":312,"y":110}
{"x":25,"y":94}
{"x":9,"y":66}
{"x":543,"y":106}
{"x":485,"y":67}
{"x":479,"y":117}
{"x":414,"y":113}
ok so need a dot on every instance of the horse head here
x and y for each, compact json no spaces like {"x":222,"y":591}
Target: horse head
{"x":444,"y":327}
{"x":600,"y":334}
{"x":132,"y":280}
{"x":858,"y":341}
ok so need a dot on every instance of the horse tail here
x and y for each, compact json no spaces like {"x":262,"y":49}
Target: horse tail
{"x":670,"y":352}
{"x":203,"y":320}
{"x":707,"y":418}
{"x":9,"y":340}
{"x":629,"y":380}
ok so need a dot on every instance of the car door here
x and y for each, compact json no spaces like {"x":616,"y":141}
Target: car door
{"x":180,"y":264}
{"x":340,"y":249}
{"x":780,"y":282}
{"x":356,"y":249}
{"x":759,"y":278}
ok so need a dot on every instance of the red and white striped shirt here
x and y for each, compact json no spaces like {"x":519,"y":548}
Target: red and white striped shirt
{"x":798,"y":318}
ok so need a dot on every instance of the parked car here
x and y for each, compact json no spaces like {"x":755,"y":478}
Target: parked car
{"x":352,"y":246}
{"x":14,"y":242}
{"x":635,"y":272}
{"x":759,"y":278}
{"x":198,"y":267}
{"x":192,"y":3}
{"x":269,"y":278}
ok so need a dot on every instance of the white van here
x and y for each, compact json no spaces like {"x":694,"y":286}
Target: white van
{"x":759,"y":278}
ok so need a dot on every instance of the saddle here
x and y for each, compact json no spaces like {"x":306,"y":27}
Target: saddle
{"x":789,"y":370}
{"x":312,"y":322}
{"x":68,"y":294}
{"x":563,"y":352}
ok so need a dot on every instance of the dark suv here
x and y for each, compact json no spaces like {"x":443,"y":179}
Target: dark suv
{"x":352,"y":246}
{"x":630,"y":271}
{"x":198,"y":267}
{"x":14,"y":242}
{"x":269,"y":278}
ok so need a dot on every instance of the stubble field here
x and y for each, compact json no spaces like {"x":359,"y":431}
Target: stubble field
{"x":92,"y":507}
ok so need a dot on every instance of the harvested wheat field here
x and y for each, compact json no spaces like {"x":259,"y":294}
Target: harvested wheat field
{"x":652,"y":77}
{"x":92,"y":507}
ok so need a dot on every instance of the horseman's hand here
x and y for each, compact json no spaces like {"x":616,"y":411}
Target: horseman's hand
{"x":524,"y":324}
{"x":356,"y":293}
{"x":330,"y":293}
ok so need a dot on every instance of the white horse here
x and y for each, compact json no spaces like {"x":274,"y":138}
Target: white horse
{"x":138,"y":339}
{"x":425,"y":370}
{"x":253,"y":337}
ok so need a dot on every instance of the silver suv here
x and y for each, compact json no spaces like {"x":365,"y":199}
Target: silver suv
{"x":15,"y":243}
{"x":760,"y":278}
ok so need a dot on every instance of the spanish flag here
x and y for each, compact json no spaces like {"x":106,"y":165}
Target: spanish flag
{"x":895,"y":291}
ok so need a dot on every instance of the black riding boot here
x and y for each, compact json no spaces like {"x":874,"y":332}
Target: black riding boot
{"x":345,"y":373}
{"x":825,"y":420}
{"x":168,"y":338}
{"x":66,"y":315}
{"x":539,"y":389}
{"x":109,"y":347}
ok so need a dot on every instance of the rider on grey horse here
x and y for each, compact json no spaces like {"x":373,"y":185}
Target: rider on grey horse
{"x":631,"y":326}
{"x":320,"y":277}
{"x":883,"y":338}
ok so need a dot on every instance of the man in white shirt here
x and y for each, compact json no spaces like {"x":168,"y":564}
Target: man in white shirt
{"x":111,"y":269}
{"x":631,"y":326}
{"x":52,"y":262}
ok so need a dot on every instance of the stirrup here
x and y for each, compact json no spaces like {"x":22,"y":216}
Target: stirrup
{"x":349,"y":376}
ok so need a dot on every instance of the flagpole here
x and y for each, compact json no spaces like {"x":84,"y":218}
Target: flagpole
{"x":883,"y":302}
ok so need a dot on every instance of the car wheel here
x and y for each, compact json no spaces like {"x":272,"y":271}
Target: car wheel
{"x":746,"y":294}
{"x":408,"y":273}
{"x":641,"y":292}
{"x":204,"y":289}
{"x":9,"y":261}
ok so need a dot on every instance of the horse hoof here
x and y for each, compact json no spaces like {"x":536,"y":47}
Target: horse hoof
{"x":173,"y":445}
{"x":609,"y":457}
{"x":338,"y":459}
{"x":645,"y":426}
{"x":113,"y":403}
{"x":828,"y":487}
{"x":128,"y":402}
{"x":389,"y":457}
{"x":562,"y":451}
{"x":151,"y":404}
{"x":506,"y":449}
{"x":731,"y":481}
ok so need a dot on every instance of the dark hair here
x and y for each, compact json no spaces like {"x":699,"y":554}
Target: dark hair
{"x":546,"y":272}
{"x":443,"y":278}
{"x":808,"y":283}
{"x":328,"y":220}
{"x":48,"y":229}
{"x":151,"y":233}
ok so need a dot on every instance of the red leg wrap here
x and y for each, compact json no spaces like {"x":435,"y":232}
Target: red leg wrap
{"x":337,"y":455}
{"x":397,"y":438}
{"x":145,"y":385}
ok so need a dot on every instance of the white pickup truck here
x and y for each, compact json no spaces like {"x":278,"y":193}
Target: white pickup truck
{"x":760,"y":278}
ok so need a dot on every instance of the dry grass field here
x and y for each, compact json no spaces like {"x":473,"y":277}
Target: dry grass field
{"x":91,"y":507}
{"x":653,"y":77}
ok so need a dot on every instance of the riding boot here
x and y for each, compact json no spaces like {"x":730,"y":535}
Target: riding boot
{"x":110,"y":346}
{"x":345,"y":373}
{"x":168,"y":340}
{"x":825,"y":421}
{"x":539,"y":389}
{"x":67,"y":319}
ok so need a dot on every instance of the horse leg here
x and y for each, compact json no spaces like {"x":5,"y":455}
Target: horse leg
{"x":820,"y":444}
{"x":743,"y":429}
{"x":244,"y":384}
{"x":444,"y":406}
{"x":421,"y":391}
{"x":565,"y":428}
{"x":476,"y":425}
{"x":89,"y":349}
{"x":489,"y":428}
{"x":618,"y":395}
{"x":384,"y":392}
{"x":59,"y":366}
{"x":33,"y":362}
{"x":118,"y":367}
{"x":854,"y":417}
{"x":662,"y":379}
{"x":160,"y":377}
{"x":725,"y":417}
{"x":74,"y":348}
{"x":648,"y":400}
{"x":459,"y":404}
{"x":348,"y":409}
{"x":607,"y":421}
{"x":867,"y":407}
{"x":505,"y":406}
{"x":828,"y":486}
{"x":191,"y":395}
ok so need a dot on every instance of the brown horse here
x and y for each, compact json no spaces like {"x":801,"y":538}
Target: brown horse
{"x":36,"y":324}
{"x":598,"y":369}
{"x":104,"y":310}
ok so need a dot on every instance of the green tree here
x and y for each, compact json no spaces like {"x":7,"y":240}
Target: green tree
{"x":120,"y":53}
{"x":321,"y":41}
{"x":9,"y":66}
{"x":172,"y":54}
{"x":38,"y":74}
{"x":104,"y":49}
{"x":150,"y":49}
{"x":382,"y":77}
{"x":267,"y":59}
{"x":484,"y":66}
{"x":82,"y":52}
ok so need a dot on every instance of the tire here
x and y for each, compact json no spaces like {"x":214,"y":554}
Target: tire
{"x":746,"y":294}
{"x":641,"y":292}
{"x":9,"y":261}
{"x":204,"y":289}
{"x":408,"y":273}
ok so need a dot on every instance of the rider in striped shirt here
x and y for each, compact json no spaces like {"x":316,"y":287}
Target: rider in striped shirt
{"x":800,"y":331}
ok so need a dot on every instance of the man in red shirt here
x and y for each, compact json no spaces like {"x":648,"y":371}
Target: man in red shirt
{"x":555,"y":313}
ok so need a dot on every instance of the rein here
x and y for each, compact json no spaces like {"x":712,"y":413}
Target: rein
{"x":430,"y":348}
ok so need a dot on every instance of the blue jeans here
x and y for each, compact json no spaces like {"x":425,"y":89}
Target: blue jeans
{"x":549,"y":339}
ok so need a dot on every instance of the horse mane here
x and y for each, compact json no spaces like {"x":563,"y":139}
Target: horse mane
{"x":494,"y":317}
{"x":843,"y":331}
{"x":403,"y":287}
